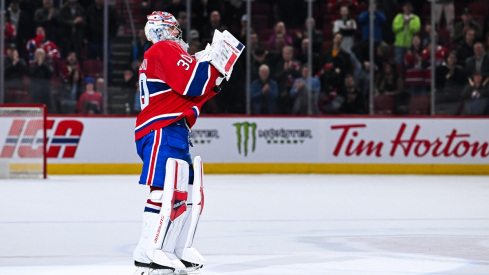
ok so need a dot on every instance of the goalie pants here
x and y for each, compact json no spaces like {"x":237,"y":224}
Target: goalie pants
{"x":156,"y":147}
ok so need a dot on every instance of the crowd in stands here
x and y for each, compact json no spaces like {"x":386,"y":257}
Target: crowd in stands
{"x":49,"y":46}
{"x":66,"y":34}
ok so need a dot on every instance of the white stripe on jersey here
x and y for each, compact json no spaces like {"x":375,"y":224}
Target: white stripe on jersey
{"x":197,"y":109}
{"x":156,"y":117}
{"x":155,"y":80}
{"x":160,"y":92}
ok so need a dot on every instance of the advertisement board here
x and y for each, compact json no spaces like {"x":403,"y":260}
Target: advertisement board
{"x":283,"y":144}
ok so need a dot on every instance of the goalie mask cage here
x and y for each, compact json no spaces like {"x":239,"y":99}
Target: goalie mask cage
{"x":23,"y":141}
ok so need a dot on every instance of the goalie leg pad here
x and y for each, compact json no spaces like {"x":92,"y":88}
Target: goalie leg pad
{"x":161,"y":231}
{"x":184,"y":249}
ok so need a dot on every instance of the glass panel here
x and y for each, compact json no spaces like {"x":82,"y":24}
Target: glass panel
{"x":54,"y":64}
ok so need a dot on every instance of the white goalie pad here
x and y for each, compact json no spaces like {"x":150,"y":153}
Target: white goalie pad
{"x":224,"y":52}
{"x":172,"y":215}
{"x":184,"y":249}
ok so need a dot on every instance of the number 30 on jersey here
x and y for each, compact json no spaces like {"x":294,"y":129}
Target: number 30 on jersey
{"x":186,"y":63}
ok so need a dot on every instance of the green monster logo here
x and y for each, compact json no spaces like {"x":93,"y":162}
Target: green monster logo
{"x":245,"y":127}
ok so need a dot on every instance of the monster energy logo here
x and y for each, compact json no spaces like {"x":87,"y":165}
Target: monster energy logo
{"x":243,"y":133}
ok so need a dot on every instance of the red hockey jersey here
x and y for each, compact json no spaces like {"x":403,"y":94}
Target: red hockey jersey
{"x":172,"y":85}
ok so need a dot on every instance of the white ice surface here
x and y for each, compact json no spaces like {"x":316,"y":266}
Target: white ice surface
{"x":256,"y":224}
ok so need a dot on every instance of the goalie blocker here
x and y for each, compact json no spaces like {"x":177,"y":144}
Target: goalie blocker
{"x":166,"y":241}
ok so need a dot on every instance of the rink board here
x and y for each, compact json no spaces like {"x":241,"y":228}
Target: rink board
{"x":366,"y":145}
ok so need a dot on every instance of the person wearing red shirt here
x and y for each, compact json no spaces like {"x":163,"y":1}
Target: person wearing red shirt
{"x":40,"y":41}
{"x":90,"y":101}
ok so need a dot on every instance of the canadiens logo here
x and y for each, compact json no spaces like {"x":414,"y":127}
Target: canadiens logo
{"x":144,"y":65}
{"x":24,"y":139}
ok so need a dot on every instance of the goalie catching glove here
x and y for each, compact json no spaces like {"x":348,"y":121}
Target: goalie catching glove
{"x":222,"y":54}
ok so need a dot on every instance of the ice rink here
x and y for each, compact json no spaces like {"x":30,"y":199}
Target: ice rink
{"x":256,"y":224}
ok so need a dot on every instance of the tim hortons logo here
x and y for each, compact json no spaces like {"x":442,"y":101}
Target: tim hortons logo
{"x":406,"y":143}
{"x":24,"y":139}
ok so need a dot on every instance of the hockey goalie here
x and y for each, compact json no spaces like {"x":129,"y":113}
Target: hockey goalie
{"x":173,"y":87}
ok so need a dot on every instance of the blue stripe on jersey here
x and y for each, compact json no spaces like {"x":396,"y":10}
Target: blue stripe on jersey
{"x":154,"y":87}
{"x":195,"y":112}
{"x":147,"y":209}
{"x":200,"y":79}
{"x":161,"y":118}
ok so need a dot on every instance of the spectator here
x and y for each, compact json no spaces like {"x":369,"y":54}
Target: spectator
{"x":426,"y":36}
{"x":95,"y":33}
{"x":129,"y":85}
{"x":260,"y":57}
{"x":19,"y":18}
{"x":176,"y":7}
{"x":479,"y":62}
{"x":415,"y":68}
{"x":450,"y":75}
{"x":15,"y":70}
{"x":280,"y":34}
{"x":462,"y":27}
{"x":140,"y":47}
{"x":241,"y":36}
{"x":68,"y":65}
{"x":302,"y":56}
{"x":364,"y":20}
{"x":450,"y":80}
{"x":466,"y":48}
{"x":40,"y":84}
{"x":214,"y":24}
{"x":201,"y":9}
{"x":347,"y":27}
{"x":317,"y":36}
{"x":194,"y":36}
{"x":286,"y":70}
{"x":9,"y":32}
{"x":405,"y":26}
{"x":99,"y":85}
{"x":361,"y":51}
{"x":70,"y":92}
{"x":334,"y":6}
{"x":255,"y":43}
{"x":336,"y":64}
{"x":445,"y":6}
{"x":299,"y":93}
{"x":48,"y":18}
{"x":90,"y":101}
{"x":72,"y":28}
{"x":40,"y":41}
{"x":475,"y":96}
{"x":353,"y":102}
{"x":441,"y":54}
{"x":263,"y":90}
{"x":279,"y":44}
{"x":388,"y":82}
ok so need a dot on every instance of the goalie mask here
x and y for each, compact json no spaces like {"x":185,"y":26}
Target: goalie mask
{"x":163,"y":26}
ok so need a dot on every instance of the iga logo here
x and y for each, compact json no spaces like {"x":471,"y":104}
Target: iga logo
{"x":27,"y":135}
{"x":244,"y":137}
{"x":67,"y":134}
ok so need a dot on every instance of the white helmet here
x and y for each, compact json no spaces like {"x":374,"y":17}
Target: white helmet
{"x":163,"y":26}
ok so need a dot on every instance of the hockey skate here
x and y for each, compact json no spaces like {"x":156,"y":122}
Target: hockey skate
{"x":153,"y":269}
